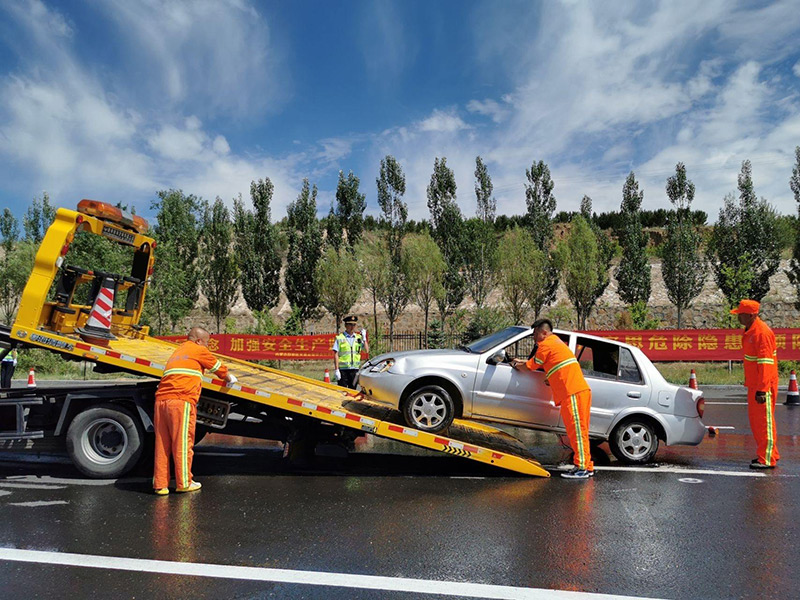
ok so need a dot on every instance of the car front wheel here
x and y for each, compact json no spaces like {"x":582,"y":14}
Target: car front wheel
{"x":430,"y":408}
{"x":634,"y":442}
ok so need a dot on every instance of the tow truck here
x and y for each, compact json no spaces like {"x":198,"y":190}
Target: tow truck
{"x":106,"y":427}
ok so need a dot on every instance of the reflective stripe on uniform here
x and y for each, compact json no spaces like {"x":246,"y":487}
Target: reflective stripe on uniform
{"x":770,"y":436}
{"x":538,"y":361}
{"x":192,"y":372}
{"x":185,"y":445}
{"x":216,"y":366}
{"x":573,"y":399}
{"x":561,"y":365}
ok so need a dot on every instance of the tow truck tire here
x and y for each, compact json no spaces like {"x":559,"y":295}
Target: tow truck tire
{"x":105,"y":442}
{"x":430,"y":408}
{"x":634,"y":441}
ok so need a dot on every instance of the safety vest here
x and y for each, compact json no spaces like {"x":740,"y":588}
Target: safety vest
{"x":11,"y":357}
{"x":349,"y":356}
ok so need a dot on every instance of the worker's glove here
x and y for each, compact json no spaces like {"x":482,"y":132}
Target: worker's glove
{"x":231,"y":379}
{"x":364,"y":333}
{"x":338,"y":374}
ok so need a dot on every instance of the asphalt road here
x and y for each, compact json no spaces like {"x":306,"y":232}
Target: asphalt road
{"x":385,"y":523}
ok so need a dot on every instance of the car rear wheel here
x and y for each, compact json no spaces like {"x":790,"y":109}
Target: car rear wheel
{"x":430,"y":408}
{"x":634,"y":441}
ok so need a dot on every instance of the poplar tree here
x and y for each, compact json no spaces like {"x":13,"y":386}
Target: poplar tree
{"x":426,"y":267}
{"x":447,"y":229}
{"x":337,"y":290}
{"x":256,"y":244}
{"x":37,"y":219}
{"x":793,"y":272}
{"x":517,"y":248}
{"x":605,"y":251}
{"x":746,"y":231}
{"x":683,"y":267}
{"x":633,"y":272}
{"x":219,"y":271}
{"x":391,"y":183}
{"x":174,"y":286}
{"x":541,"y":204}
{"x":305,"y":249}
{"x":580,"y":259}
{"x":375,"y":269}
{"x":487,"y":205}
{"x":480,"y":240}
{"x":16,"y":263}
{"x":350,"y":207}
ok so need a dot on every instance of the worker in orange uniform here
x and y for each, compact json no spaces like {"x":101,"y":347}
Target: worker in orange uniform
{"x":761,"y":381}
{"x":570,"y":392}
{"x":176,"y":409}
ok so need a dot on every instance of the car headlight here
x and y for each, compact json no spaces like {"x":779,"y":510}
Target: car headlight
{"x":382,"y":366}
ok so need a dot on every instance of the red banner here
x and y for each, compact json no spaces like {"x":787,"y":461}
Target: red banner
{"x":269,"y":347}
{"x":659,"y":345}
{"x":700,"y":344}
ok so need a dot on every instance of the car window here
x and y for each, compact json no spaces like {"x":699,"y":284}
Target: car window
{"x":598,"y":358}
{"x":524,"y":348}
{"x":490,"y":341}
{"x":628,"y":369}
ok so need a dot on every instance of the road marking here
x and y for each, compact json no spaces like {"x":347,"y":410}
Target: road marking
{"x":345,"y":580}
{"x":38,"y":503}
{"x":690,"y":480}
{"x":46,"y":479}
{"x":30,"y":486}
{"x":682,"y":471}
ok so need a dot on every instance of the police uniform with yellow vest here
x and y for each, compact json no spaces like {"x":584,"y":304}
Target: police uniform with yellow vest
{"x":176,"y":412}
{"x":347,"y":348}
{"x":9,"y":364}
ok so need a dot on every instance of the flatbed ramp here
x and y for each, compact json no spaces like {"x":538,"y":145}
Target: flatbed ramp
{"x":146,"y":355}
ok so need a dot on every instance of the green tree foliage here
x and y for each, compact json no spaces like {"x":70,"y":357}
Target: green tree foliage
{"x":683,"y":267}
{"x":391,"y":184}
{"x":174,"y":286}
{"x":794,"y":265}
{"x":350,"y":207}
{"x":633,"y":272}
{"x":746,"y":229}
{"x":256,"y":246}
{"x":521,"y":267}
{"x":339,"y":282}
{"x":305,"y":249}
{"x":333,"y":230}
{"x":219,"y":271}
{"x":37,"y":219}
{"x":480,"y":259}
{"x":582,"y":265}
{"x":375,"y":269}
{"x":487,"y":205}
{"x":426,"y":268}
{"x":605,"y":247}
{"x":16,"y":263}
{"x":447,"y":229}
{"x":541,"y":204}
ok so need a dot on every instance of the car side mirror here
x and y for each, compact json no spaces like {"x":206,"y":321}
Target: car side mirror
{"x":496,"y":358}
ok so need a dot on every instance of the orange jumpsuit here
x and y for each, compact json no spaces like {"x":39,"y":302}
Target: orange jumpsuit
{"x":761,"y":375}
{"x":176,"y":411}
{"x":570,"y":392}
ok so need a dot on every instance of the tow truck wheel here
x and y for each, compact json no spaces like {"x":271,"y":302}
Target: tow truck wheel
{"x":105,"y":442}
{"x":430,"y":408}
{"x":634,"y":441}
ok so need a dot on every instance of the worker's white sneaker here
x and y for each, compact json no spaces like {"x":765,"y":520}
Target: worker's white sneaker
{"x":577,"y":473}
{"x":193,"y":487}
{"x":161,"y":491}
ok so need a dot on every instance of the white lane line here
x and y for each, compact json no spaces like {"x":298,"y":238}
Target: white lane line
{"x":682,"y":471}
{"x":39,"y":503}
{"x":30,"y":486}
{"x":46,"y":479}
{"x":345,"y":580}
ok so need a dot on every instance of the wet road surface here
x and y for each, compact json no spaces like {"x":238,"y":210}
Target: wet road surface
{"x":700,"y":524}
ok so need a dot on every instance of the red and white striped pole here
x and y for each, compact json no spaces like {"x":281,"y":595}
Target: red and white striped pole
{"x":98,"y":327}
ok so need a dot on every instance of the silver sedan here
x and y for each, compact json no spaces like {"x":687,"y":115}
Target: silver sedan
{"x":633,"y":406}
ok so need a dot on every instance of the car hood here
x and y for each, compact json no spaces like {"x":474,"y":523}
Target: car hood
{"x":421,"y":355}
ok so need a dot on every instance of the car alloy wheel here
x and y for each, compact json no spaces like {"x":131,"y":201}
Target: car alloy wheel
{"x":429,"y":408}
{"x":634,"y":442}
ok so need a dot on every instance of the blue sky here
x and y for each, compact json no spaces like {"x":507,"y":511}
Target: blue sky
{"x":116,"y":99}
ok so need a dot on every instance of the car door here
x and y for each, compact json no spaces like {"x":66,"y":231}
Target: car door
{"x":520,"y":396}
{"x":615,"y":378}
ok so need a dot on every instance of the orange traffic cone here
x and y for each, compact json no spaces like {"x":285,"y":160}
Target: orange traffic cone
{"x":98,"y":328}
{"x":31,"y":378}
{"x":792,"y":395}
{"x":327,"y":377}
{"x":693,"y":380}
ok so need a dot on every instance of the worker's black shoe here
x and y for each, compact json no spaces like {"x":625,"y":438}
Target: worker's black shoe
{"x":756,"y":464}
{"x":577,"y":473}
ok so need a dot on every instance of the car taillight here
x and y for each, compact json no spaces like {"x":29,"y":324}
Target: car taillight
{"x":701,"y":406}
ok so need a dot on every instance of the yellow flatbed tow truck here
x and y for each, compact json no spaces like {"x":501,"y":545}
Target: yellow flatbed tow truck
{"x":105,"y":427}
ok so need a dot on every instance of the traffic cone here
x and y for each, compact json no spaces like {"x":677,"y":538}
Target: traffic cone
{"x":693,"y":380}
{"x":792,"y":395}
{"x":98,"y":327}
{"x":31,"y":378}
{"x":327,"y":378}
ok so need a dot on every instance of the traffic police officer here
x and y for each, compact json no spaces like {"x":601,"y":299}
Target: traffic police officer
{"x":347,"y":348}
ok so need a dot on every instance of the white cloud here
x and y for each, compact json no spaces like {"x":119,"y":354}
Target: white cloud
{"x":497,"y":111}
{"x":443,"y":122}
{"x":796,"y":69}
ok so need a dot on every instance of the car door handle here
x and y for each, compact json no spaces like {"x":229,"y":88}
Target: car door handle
{"x":634,"y":394}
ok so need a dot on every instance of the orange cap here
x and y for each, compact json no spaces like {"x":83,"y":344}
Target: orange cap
{"x":746,"y":307}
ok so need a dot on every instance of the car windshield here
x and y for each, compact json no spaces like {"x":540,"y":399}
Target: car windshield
{"x":483,"y":344}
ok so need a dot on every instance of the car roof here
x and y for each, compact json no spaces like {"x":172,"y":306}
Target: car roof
{"x":596,"y":337}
